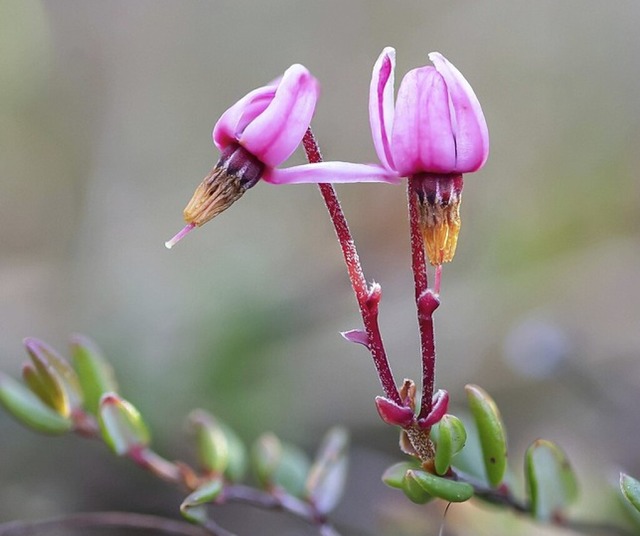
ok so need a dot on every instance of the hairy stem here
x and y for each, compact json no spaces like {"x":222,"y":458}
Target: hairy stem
{"x":368,"y":307}
{"x":426,"y":301}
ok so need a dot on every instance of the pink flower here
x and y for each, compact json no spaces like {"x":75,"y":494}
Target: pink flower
{"x":437,"y":124}
{"x":435,"y":132}
{"x":257,"y":134}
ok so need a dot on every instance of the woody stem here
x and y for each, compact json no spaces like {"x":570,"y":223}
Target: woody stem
{"x":368,"y":307}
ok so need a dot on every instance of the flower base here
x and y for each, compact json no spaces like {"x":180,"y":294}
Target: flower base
{"x":440,"y":197}
{"x":236,"y":172}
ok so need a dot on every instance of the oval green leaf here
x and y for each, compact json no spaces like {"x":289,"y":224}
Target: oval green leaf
{"x":413,"y":490}
{"x":443,"y":488}
{"x":491,"y":430}
{"x":630,"y":488}
{"x":48,"y":389}
{"x":95,"y":374}
{"x":212,"y":443}
{"x":394,"y":475}
{"x":451,"y":437}
{"x":29,"y":409}
{"x":192,"y":508}
{"x":237,"y":462}
{"x":53,"y":367}
{"x":121,"y":425}
{"x":551,"y":482}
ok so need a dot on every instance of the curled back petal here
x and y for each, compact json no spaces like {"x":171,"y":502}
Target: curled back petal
{"x":232,"y":123}
{"x":422,"y":138}
{"x":274,"y":134}
{"x":331,"y":172}
{"x":381,"y":109}
{"x":472,"y":134}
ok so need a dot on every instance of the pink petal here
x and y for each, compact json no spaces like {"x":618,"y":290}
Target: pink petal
{"x":381,"y":110}
{"x":422,"y":139}
{"x":331,"y":172}
{"x":472,"y":134}
{"x":278,"y":130}
{"x":232,"y":123}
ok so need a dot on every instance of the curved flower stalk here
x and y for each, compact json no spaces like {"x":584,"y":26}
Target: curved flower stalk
{"x":434,"y":133}
{"x":257,"y":134}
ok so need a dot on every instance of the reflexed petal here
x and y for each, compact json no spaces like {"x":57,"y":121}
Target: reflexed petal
{"x":422,"y":138}
{"x":331,"y":172}
{"x":277,"y":131}
{"x":230,"y":126}
{"x":472,"y":134}
{"x":381,"y":110}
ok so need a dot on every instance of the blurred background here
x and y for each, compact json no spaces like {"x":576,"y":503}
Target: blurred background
{"x":106,"y":111}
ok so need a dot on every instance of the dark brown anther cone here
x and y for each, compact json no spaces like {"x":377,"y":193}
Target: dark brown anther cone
{"x":236,"y":172}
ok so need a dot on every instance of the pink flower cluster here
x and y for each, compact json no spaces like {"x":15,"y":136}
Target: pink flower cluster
{"x":435,"y":127}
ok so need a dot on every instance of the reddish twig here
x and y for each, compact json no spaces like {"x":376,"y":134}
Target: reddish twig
{"x":367,"y":301}
{"x":426,"y":302}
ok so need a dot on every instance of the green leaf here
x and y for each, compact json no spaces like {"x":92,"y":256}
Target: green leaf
{"x":29,"y":409}
{"x":413,"y":490}
{"x":450,"y":437}
{"x":443,"y":488}
{"x":237,"y":462}
{"x":95,"y":374}
{"x":53,"y":368}
{"x":212,"y":442}
{"x":551,"y":482}
{"x":47,"y":385}
{"x":193,"y":507}
{"x":279,"y":464}
{"x":491,"y":431}
{"x":630,"y":488}
{"x":328,"y":474}
{"x":121,"y":424}
{"x":265,"y":456}
{"x":394,"y":475}
{"x":49,"y":391}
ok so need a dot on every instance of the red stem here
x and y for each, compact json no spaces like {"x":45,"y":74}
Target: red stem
{"x":426,"y":302}
{"x":368,"y":305}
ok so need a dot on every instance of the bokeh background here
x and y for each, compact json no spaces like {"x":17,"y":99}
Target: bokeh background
{"x":106,"y":110}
